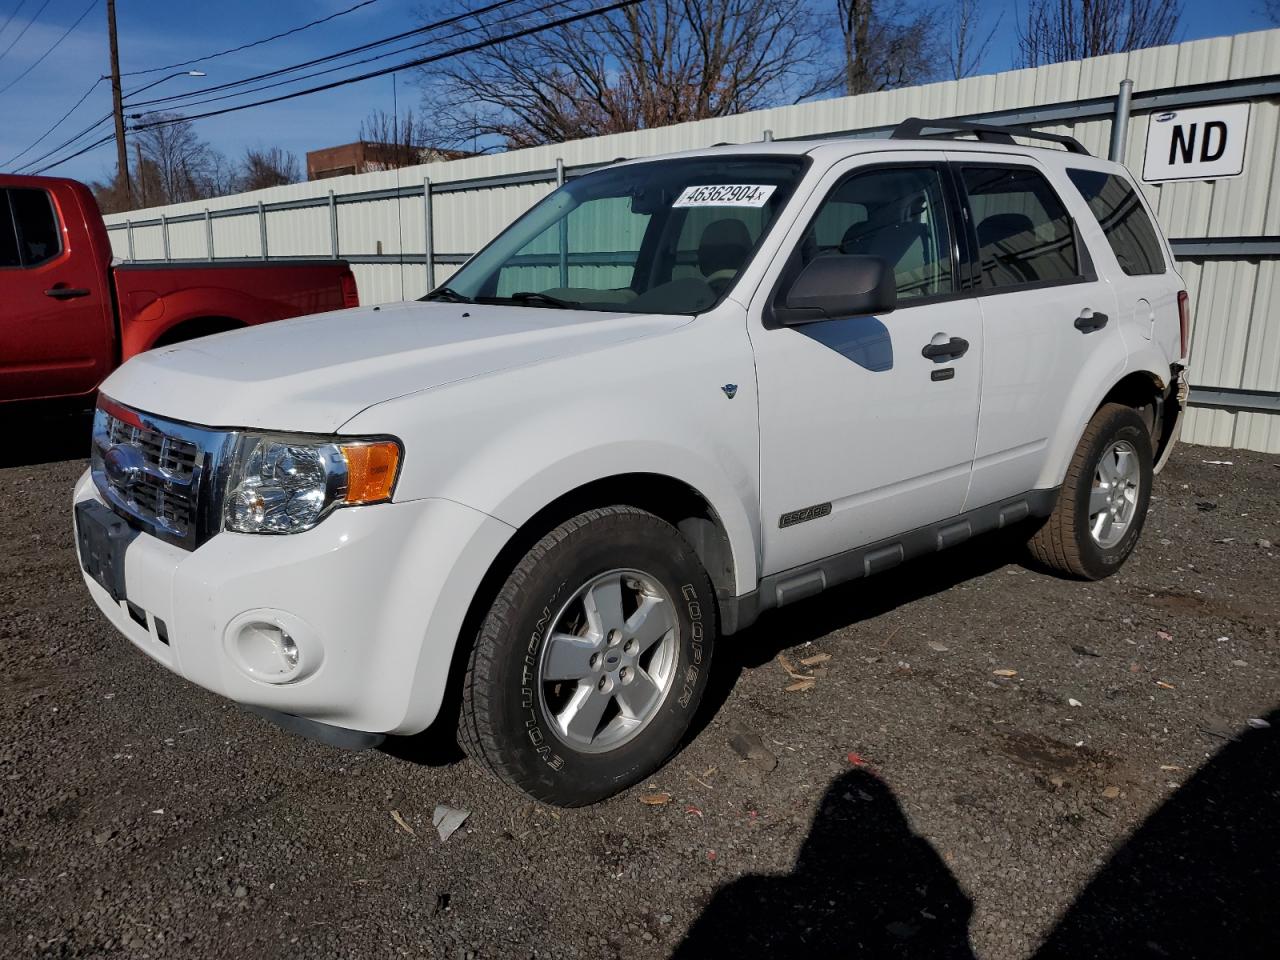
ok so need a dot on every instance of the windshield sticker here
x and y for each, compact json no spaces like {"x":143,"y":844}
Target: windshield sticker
{"x":725,"y":195}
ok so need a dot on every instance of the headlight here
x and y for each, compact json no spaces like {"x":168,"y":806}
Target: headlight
{"x":282,"y":484}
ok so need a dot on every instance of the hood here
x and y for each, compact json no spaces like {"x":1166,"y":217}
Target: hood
{"x":312,"y":374}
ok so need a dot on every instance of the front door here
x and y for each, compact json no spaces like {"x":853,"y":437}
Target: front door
{"x":862,"y":435}
{"x":54,"y":335}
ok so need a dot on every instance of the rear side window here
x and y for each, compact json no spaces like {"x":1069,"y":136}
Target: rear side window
{"x":1123,"y":220}
{"x":8,"y":234}
{"x":37,"y":226}
{"x":1024,"y":233}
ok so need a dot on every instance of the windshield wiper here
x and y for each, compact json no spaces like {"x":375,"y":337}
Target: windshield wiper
{"x":448,"y":294}
{"x":533,"y":298}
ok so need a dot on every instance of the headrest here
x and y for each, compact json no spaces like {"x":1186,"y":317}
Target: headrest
{"x":724,"y":246}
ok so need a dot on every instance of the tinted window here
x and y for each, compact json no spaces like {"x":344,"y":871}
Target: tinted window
{"x":1120,"y":214}
{"x":37,"y":226}
{"x":896,"y":214}
{"x":8,"y":236}
{"x":1024,"y":233}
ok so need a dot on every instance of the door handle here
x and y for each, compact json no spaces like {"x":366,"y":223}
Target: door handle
{"x":951,"y":349}
{"x":1089,"y":321}
{"x":66,"y":293}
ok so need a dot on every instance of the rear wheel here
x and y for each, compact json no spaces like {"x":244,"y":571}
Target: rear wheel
{"x":1103,"y":502}
{"x":592,"y":660}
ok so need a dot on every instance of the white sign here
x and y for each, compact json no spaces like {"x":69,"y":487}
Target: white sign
{"x":725,"y":195}
{"x":1206,"y":143}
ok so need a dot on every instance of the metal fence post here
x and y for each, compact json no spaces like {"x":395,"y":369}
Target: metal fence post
{"x":208,"y":234}
{"x":164,"y":235}
{"x":564,"y":229}
{"x":262,"y":228}
{"x":1120,"y":122}
{"x":333,"y":226}
{"x":128,"y":227}
{"x":428,"y":233}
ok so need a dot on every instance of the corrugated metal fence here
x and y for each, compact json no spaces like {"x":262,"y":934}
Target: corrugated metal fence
{"x":405,"y":230}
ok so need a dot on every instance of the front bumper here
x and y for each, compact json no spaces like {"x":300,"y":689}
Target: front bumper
{"x":375,"y":597}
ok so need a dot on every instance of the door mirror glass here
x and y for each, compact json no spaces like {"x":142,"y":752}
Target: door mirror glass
{"x":839,"y":285}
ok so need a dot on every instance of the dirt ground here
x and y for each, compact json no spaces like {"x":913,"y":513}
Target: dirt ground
{"x":989,"y":762}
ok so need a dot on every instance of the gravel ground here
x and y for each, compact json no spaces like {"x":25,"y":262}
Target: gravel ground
{"x":1110,"y":797}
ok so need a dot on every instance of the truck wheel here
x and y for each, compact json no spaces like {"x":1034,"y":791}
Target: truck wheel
{"x":591,"y":662}
{"x":1103,"y":502}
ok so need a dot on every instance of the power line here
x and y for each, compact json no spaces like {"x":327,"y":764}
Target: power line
{"x":448,"y":21}
{"x":66,"y":143}
{"x":187,"y":102}
{"x":59,"y":123}
{"x":421,"y":61}
{"x":255,"y":43}
{"x":418,"y":31}
{"x":93,"y":146}
{"x":24,"y":29}
{"x":9,"y":19}
{"x":40,"y":59}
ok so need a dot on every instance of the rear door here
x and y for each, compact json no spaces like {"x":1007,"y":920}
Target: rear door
{"x":54,"y":314}
{"x":1146,"y":286}
{"x":863,"y":436}
{"x":1048,"y":321}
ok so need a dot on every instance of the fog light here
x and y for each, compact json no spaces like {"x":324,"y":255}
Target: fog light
{"x":272,"y":646}
{"x":288,"y":649}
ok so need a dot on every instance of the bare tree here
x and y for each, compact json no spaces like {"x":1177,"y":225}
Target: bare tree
{"x":886,"y":44}
{"x":969,"y":38}
{"x":1058,"y":30}
{"x":264,"y":167}
{"x":404,"y":138}
{"x":649,"y":65}
{"x":175,"y":165}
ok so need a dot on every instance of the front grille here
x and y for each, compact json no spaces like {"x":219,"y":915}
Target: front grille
{"x":149,"y":471}
{"x":170,"y":455}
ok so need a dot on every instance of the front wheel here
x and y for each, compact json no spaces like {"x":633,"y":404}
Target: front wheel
{"x":1103,"y":503}
{"x":592,"y":660}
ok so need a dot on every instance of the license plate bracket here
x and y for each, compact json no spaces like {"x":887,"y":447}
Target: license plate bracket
{"x":103,"y":538}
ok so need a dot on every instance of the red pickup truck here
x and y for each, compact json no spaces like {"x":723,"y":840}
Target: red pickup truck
{"x":69,"y":316}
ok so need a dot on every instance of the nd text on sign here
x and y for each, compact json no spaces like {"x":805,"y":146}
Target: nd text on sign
{"x":1205,"y":143}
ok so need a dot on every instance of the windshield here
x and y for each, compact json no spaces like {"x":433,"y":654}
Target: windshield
{"x":669,"y":236}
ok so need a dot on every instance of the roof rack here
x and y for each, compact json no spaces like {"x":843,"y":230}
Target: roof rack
{"x":915,"y":128}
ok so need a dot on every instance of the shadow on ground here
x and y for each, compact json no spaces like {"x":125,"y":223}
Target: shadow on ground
{"x":864,"y":885}
{"x":44,"y":433}
{"x":1199,"y":879}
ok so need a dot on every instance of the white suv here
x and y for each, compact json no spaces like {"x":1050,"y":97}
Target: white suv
{"x":674,"y":394}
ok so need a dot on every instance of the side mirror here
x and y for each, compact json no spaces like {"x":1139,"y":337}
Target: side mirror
{"x":842,"y":285}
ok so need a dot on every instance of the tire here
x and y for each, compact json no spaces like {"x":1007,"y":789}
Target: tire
{"x":555,"y":644}
{"x":1073,"y":542}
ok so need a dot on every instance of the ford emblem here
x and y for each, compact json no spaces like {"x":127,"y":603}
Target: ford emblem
{"x":1166,"y":117}
{"x":124,"y":465}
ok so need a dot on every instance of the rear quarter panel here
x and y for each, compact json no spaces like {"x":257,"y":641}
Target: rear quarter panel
{"x":155,"y":298}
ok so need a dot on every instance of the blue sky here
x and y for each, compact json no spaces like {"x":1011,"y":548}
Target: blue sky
{"x":153,"y":33}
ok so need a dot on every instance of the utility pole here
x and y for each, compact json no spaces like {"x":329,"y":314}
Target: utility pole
{"x":117,"y":106}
